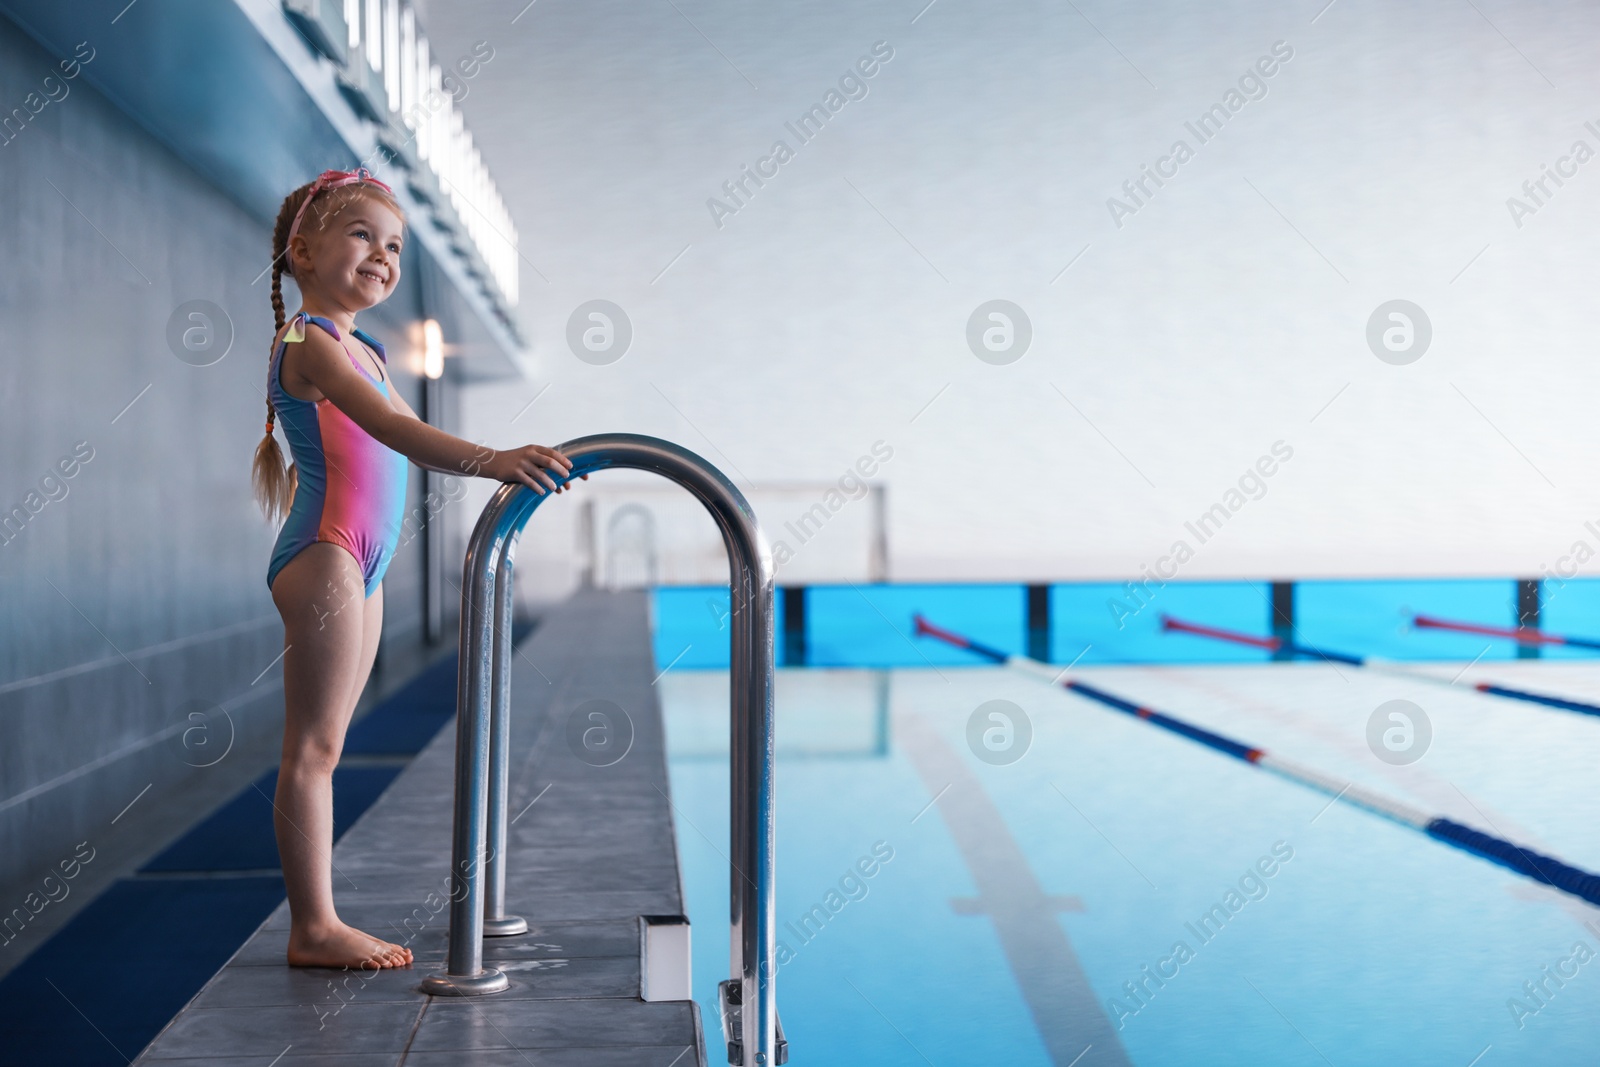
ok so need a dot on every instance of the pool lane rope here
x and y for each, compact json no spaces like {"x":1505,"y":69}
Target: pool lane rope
{"x":1374,"y":663}
{"x":1535,"y":865}
{"x":1521,"y":637}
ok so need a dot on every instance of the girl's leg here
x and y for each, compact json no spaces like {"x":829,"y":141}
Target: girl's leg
{"x":319,"y":594}
{"x":371,"y":630}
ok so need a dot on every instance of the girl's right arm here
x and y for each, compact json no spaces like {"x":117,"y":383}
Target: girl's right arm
{"x":324,"y":363}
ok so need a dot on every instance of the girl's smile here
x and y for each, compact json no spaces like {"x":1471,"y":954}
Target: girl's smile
{"x":377,"y":262}
{"x":361,"y":251}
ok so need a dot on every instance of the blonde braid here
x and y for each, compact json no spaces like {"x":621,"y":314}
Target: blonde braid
{"x":275,"y":485}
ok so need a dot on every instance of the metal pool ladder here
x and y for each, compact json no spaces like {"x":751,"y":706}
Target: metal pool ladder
{"x":477,"y":900}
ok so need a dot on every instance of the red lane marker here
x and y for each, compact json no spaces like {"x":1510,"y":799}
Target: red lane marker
{"x":1523,"y":637}
{"x":1272,"y":644}
{"x":923,"y":626}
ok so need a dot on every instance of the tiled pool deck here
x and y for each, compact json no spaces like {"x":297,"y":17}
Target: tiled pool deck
{"x":591,"y":850}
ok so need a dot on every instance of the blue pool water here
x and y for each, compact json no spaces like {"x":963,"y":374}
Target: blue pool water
{"x":1370,"y":944}
{"x":871,"y":625}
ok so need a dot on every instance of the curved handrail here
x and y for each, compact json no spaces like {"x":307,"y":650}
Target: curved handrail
{"x":485,"y":610}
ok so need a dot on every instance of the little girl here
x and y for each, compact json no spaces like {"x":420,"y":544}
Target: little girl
{"x":350,"y":434}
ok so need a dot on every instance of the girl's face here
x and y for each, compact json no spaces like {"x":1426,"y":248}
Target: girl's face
{"x":355,"y":259}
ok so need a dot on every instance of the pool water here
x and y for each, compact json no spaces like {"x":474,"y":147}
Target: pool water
{"x":1010,"y":907}
{"x":1101,"y":623}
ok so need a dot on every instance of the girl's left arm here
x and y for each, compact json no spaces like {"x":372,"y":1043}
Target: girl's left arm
{"x":405,"y":409}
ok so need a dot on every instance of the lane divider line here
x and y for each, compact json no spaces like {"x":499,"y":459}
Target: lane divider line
{"x":1547,"y":870}
{"x":1374,"y":663}
{"x":1509,"y":633}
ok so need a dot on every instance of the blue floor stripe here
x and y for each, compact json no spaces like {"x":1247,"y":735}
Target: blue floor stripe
{"x":239,"y":836}
{"x":106,"y":983}
{"x":99,"y":990}
{"x":408,"y":720}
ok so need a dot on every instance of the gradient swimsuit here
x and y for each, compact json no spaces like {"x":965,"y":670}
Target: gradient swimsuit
{"x":351,"y":489}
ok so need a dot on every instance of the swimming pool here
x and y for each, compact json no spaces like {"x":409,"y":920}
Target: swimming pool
{"x":1101,"y":622}
{"x":1125,"y":896}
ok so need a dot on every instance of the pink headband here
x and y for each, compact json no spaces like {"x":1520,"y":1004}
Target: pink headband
{"x":328,"y":179}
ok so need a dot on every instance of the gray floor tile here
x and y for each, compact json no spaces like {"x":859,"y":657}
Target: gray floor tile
{"x":629,"y":1056}
{"x":603,"y":977}
{"x":542,"y":941}
{"x":217,"y":1033}
{"x":288,"y":1059}
{"x":322,"y":988}
{"x":594,"y":853}
{"x":492,"y":1023}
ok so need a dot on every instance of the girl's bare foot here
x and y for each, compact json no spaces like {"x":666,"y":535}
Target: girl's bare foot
{"x":344,"y":946}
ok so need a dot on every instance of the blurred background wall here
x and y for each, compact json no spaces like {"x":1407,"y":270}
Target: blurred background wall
{"x":1228,"y":311}
{"x":139,"y":644}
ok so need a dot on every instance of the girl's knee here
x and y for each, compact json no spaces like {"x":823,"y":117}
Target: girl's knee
{"x":310,"y":757}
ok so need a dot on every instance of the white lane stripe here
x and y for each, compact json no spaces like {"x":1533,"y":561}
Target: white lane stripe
{"x":1034,"y":667}
{"x":1328,"y":784}
{"x":1360,"y":796}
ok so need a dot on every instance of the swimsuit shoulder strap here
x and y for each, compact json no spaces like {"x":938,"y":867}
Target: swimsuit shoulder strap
{"x":333,"y":331}
{"x":296,"y":331}
{"x":377,"y":346}
{"x":326,"y":324}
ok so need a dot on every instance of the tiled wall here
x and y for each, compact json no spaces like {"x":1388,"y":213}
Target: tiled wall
{"x":133,"y":592}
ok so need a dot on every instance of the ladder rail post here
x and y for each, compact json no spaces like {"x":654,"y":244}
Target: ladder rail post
{"x":496,"y":922}
{"x":752,"y":777}
{"x":482,"y":734}
{"x":464,"y":973}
